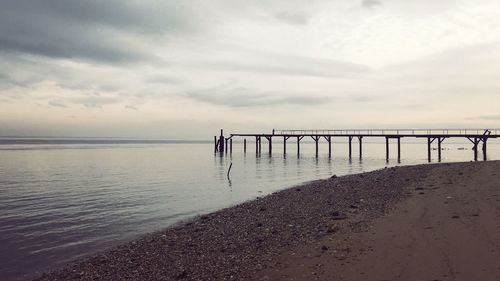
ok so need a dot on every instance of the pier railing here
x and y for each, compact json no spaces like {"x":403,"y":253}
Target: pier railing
{"x":397,"y":132}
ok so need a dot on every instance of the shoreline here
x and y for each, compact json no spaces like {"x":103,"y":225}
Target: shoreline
{"x":258,"y":238}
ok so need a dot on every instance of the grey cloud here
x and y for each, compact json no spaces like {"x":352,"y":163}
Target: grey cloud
{"x":95,"y":101}
{"x":87,"y":30}
{"x":293,"y":17}
{"x":131,"y":107}
{"x":290,"y":65}
{"x":56,"y":104}
{"x":162,"y":79}
{"x":245,"y":97}
{"x":371,"y":3}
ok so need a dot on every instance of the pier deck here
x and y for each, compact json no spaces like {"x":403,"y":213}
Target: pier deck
{"x":475,"y":136}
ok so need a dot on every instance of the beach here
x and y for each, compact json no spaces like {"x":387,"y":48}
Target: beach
{"x":424,"y":222}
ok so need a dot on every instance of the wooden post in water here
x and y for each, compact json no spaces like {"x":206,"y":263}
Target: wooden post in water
{"x":244,"y":145}
{"x":440,"y":140}
{"x":399,"y":149}
{"x":221,"y":141}
{"x":350,"y":147}
{"x":260,"y":145}
{"x":484,"y":148}
{"x":316,"y":140}
{"x":387,"y":148}
{"x":284,"y":145}
{"x":298,"y":146}
{"x":329,"y":146}
{"x":231,"y":146}
{"x":215,"y":144}
{"x":226,"y":145}
{"x":360,"y":138}
{"x":256,"y":145}
{"x":270,"y":140}
{"x":475,"y":148}
{"x":428,"y":149}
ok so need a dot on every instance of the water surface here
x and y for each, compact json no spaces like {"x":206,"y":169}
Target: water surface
{"x":65,"y":199}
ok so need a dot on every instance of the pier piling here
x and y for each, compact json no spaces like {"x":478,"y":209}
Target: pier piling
{"x":360,"y":138}
{"x":245,"y":145}
{"x":221,"y":141}
{"x":399,"y":149}
{"x":387,"y":148}
{"x":350,"y":147}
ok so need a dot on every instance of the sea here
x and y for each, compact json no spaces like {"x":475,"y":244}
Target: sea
{"x":65,"y":199}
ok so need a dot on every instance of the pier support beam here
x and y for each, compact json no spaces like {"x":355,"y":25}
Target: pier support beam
{"x":270,"y":140}
{"x":316,"y":140}
{"x":298,"y":145}
{"x":350,"y":147}
{"x":284,"y":145}
{"x":399,"y":149}
{"x":386,"y":148}
{"x":215,"y":145}
{"x":244,"y":145}
{"x":429,"y":149}
{"x":440,"y":140}
{"x":227,"y":145}
{"x":329,"y":140}
{"x":230,"y":146}
{"x":475,"y":143}
{"x":360,"y":138}
{"x":484,"y":148}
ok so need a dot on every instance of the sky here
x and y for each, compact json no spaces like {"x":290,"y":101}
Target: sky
{"x":185,"y":69}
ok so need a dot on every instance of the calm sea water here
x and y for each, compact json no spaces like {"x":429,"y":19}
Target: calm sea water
{"x":66,"y":199}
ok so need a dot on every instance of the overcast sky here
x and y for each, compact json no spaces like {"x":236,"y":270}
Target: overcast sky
{"x":184,"y":69}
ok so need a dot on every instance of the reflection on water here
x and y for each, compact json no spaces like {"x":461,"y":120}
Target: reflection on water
{"x":62,"y":201}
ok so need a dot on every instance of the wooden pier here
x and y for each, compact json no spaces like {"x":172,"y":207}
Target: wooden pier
{"x":476,"y":136}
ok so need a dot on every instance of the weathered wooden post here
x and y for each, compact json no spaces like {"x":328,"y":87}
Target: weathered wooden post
{"x":329,"y":146}
{"x":475,"y":148}
{"x":256,"y":144}
{"x":428,"y":149}
{"x":244,"y":145}
{"x":298,"y":146}
{"x":316,"y":139}
{"x":226,"y":145}
{"x":260,"y":145}
{"x":231,"y":146}
{"x":350,"y":147}
{"x":399,"y":149}
{"x":387,"y":148}
{"x":484,"y":148}
{"x":221,"y":141}
{"x":440,"y":140}
{"x":284,"y":145}
{"x":270,"y":140}
{"x":360,"y":138}
{"x":215,"y":144}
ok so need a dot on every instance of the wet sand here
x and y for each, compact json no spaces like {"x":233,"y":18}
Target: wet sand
{"x":426,"y":222}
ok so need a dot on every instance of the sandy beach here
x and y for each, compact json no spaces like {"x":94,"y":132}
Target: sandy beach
{"x":425,"y":222}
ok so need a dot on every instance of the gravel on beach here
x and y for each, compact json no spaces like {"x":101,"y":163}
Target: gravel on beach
{"x":237,"y":242}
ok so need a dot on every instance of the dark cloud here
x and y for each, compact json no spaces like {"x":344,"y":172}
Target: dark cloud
{"x":230,"y":96}
{"x":371,"y":3}
{"x":87,"y":30}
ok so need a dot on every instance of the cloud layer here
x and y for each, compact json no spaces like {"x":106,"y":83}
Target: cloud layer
{"x":86,"y":67}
